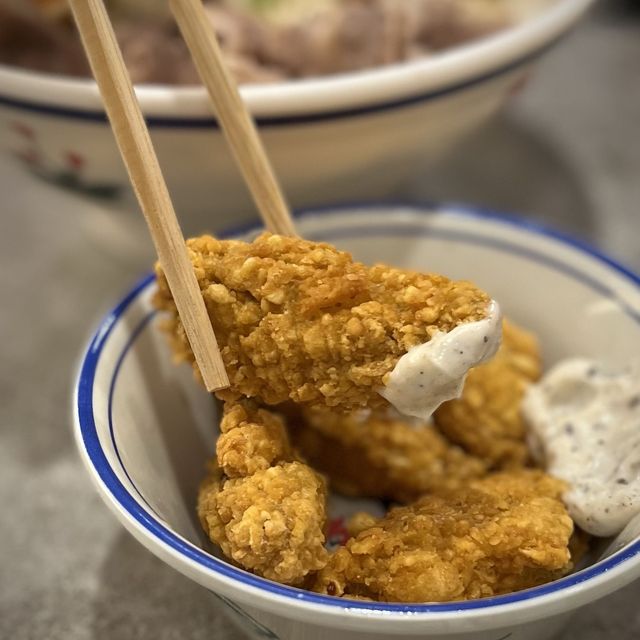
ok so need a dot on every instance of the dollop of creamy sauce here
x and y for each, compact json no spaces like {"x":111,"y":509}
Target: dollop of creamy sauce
{"x":584,"y":426}
{"x":433,"y":372}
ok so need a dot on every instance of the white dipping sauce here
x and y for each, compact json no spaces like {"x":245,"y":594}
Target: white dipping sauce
{"x":584,"y":426}
{"x":431,"y":373}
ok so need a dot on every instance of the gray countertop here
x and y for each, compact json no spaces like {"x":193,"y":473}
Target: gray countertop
{"x":567,"y":152}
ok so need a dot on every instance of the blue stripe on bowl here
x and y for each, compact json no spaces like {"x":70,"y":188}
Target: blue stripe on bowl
{"x":279,"y":121}
{"x":135,"y":334}
{"x":154,"y":525}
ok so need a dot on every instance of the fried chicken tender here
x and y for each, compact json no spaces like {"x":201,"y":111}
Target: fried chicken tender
{"x":265,"y":509}
{"x":486,"y":421}
{"x":503,"y":533}
{"x":383,"y":455}
{"x":301,"y":321}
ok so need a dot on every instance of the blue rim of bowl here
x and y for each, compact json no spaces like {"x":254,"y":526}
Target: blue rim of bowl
{"x":277,"y":121}
{"x":97,"y":458}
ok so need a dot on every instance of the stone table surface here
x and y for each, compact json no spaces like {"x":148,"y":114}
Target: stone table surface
{"x":567,"y":151}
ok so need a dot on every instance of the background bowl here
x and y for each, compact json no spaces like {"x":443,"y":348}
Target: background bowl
{"x":145,"y":429}
{"x":329,"y":138}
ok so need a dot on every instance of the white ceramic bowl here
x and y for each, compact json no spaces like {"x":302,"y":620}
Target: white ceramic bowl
{"x":329,"y":138}
{"x":145,"y":428}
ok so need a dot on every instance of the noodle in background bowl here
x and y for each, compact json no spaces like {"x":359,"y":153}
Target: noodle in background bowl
{"x":330,"y":138}
{"x":145,"y":428}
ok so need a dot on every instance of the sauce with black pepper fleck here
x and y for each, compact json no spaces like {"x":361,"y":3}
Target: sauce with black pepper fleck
{"x":584,"y":425}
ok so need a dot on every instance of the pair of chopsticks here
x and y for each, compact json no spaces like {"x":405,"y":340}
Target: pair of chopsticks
{"x":144,"y":170}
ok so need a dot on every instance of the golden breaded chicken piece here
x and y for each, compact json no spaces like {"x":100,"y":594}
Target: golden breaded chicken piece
{"x":301,"y":321}
{"x":264,"y":509}
{"x":251,"y":439}
{"x":503,"y":533}
{"x":486,"y":420}
{"x":383,"y":455}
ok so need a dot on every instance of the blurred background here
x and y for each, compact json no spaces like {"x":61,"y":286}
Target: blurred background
{"x":565,"y":151}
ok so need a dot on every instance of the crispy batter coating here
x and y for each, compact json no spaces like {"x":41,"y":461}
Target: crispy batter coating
{"x":359,"y":522}
{"x":251,"y":439}
{"x":503,"y":533}
{"x":264,"y":509}
{"x":383,"y":455}
{"x":486,"y":420}
{"x":301,"y":321}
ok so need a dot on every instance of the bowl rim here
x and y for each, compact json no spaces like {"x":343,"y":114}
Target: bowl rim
{"x":146,"y":527}
{"x":338,"y":95}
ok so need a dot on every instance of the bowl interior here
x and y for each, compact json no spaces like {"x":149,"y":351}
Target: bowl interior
{"x":157,"y":427}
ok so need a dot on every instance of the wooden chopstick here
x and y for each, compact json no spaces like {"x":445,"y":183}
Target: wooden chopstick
{"x":146,"y":177}
{"x":233,"y":115}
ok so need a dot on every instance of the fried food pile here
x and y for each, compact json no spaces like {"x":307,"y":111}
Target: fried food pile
{"x":473,"y":535}
{"x":303,"y":322}
{"x":307,"y":336}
